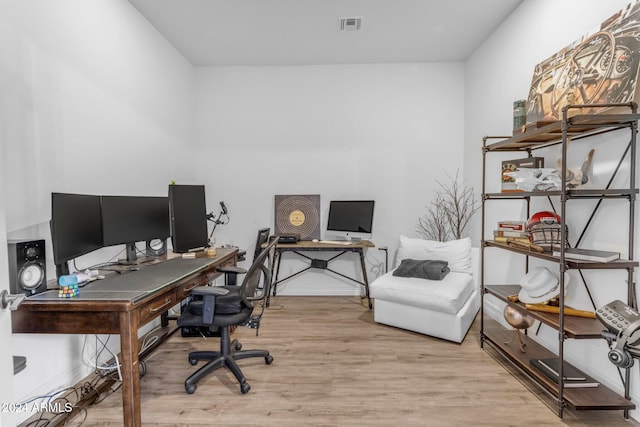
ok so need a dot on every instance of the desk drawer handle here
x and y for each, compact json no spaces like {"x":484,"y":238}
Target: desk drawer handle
{"x":156,"y":309}
{"x":191,"y":288}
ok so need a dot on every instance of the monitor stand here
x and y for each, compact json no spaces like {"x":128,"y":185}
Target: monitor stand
{"x":132,"y":257}
{"x":133,"y":261}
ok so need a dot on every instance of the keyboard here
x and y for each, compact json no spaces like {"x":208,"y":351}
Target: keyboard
{"x":336,"y":242}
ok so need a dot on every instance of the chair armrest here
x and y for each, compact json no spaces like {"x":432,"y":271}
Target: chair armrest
{"x":209,"y":290}
{"x":231,"y":269}
{"x":231,"y":273}
{"x":209,"y":294}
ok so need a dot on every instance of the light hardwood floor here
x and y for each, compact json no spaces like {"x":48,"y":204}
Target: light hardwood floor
{"x":333,"y":366}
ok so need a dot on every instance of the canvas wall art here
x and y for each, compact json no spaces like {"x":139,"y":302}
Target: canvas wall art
{"x":599,"y":68}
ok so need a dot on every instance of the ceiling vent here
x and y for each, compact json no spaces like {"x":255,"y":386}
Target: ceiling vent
{"x":350,"y":24}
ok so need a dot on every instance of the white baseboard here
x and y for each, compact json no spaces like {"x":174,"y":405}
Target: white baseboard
{"x":494,"y":308}
{"x":319,"y":287}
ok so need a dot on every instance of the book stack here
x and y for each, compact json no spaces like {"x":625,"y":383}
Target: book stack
{"x":511,"y":231}
{"x":573,"y":377}
{"x":588,"y":255}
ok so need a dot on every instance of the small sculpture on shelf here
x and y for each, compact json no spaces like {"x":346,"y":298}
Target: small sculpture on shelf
{"x":548,"y":179}
{"x":519,"y":319}
{"x":579,"y":177}
{"x":536,"y":179}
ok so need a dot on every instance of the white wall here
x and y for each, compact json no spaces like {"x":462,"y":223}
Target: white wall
{"x":500,"y":72}
{"x":382,"y":132}
{"x":94,"y":101}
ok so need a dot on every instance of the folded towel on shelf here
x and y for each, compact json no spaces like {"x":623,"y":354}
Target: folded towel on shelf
{"x":422,"y":269}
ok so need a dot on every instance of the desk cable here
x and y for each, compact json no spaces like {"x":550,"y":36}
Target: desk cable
{"x":69,"y":397}
{"x":147,"y":343}
{"x":378,"y":268}
{"x":109,"y":263}
{"x":106,"y":368}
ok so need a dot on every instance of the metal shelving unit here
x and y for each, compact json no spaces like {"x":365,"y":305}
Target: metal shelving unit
{"x":570,"y":128}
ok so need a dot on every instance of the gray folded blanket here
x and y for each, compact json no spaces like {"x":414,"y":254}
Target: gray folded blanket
{"x":422,"y":269}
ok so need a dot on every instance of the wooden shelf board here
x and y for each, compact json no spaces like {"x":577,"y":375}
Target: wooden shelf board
{"x":551,"y":133}
{"x":594,"y":398}
{"x":576,"y":193}
{"x":574,"y":326}
{"x":571,"y":264}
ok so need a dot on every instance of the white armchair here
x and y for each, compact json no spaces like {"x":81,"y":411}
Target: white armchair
{"x":440,"y":308}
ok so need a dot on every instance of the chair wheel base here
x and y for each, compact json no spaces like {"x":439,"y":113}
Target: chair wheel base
{"x":268,"y":359}
{"x":193,"y":361}
{"x":244,"y":388}
{"x":190,"y":388}
{"x":142,"y":369}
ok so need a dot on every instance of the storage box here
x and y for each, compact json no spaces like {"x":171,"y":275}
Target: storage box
{"x":509,"y":183}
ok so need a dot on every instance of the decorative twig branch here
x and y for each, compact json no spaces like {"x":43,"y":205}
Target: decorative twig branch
{"x":449,"y":213}
{"x":433,"y":225}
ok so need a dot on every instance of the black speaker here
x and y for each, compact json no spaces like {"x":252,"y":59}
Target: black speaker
{"x":27,"y":267}
{"x":289,"y":238}
{"x":156,"y":247}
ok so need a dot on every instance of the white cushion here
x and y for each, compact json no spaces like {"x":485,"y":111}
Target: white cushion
{"x":447,"y":295}
{"x":456,"y":252}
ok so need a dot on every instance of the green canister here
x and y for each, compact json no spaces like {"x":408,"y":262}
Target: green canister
{"x":519,"y":113}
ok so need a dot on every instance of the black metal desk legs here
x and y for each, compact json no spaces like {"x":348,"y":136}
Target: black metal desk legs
{"x":322,"y":265}
{"x":364,"y":278}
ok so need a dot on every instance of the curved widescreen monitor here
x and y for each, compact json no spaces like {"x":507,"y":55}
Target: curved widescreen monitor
{"x":188,"y":215}
{"x":76,"y":226}
{"x":127,"y":219}
{"x":130,"y":219}
{"x":351,"y":219}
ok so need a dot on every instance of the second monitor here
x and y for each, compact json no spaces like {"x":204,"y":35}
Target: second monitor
{"x":130,"y":219}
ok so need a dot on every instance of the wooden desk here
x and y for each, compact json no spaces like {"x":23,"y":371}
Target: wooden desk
{"x":120,"y":304}
{"x":309,"y":246}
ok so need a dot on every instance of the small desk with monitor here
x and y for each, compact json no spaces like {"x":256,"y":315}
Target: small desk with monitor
{"x":322,"y":264}
{"x":121,"y":304}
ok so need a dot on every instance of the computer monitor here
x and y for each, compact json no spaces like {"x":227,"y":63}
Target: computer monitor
{"x":188,"y":216}
{"x":76,"y":227}
{"x":130,"y":219}
{"x":350,"y":219}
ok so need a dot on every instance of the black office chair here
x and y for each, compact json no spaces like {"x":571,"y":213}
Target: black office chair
{"x":223,"y":307}
{"x":232,"y":272}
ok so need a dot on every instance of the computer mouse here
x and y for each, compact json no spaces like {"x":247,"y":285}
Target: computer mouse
{"x":315,"y":240}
